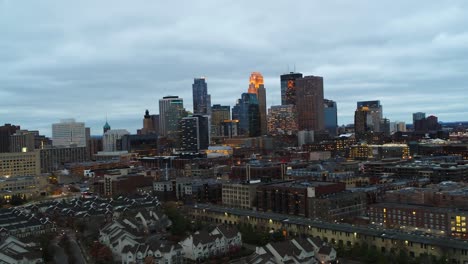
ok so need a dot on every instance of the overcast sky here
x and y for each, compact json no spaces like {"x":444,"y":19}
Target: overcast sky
{"x":88,"y":59}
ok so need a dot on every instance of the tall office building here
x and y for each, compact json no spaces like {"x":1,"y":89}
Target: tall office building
{"x":419,"y":121}
{"x":150,"y":124}
{"x":288,"y":88}
{"x":309,"y":103}
{"x":20,"y":164}
{"x":331,"y":116}
{"x":219,"y":113}
{"x":69,"y":133}
{"x":256,"y":86}
{"x":374,"y":111}
{"x":201,"y":98}
{"x":360,"y":120}
{"x":5,"y":132}
{"x":171,"y":110}
{"x":23,"y":141}
{"x":194,"y":133}
{"x":282,"y":120}
{"x":111,"y":137}
{"x":248,"y":114}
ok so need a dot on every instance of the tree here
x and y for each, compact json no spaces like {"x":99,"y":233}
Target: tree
{"x":105,"y":255}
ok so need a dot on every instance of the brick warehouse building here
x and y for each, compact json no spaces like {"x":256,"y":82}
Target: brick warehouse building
{"x":292,"y":197}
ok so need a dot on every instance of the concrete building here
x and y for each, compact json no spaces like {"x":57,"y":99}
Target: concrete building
{"x":171,"y":110}
{"x":240,"y":195}
{"x":23,"y":141}
{"x":68,"y":133}
{"x":24,"y":186}
{"x":52,"y":159}
{"x":150,"y":124}
{"x":111,"y":138}
{"x":5,"y":132}
{"x":20,"y":164}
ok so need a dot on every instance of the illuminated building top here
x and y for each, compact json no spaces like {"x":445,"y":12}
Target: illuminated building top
{"x":256,"y":79}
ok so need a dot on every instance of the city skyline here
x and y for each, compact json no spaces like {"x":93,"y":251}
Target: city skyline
{"x":121,"y":59}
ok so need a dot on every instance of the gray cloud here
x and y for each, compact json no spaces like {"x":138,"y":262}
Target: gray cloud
{"x":89,"y":59}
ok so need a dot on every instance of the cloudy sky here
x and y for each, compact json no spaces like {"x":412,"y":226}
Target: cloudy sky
{"x":88,"y":59}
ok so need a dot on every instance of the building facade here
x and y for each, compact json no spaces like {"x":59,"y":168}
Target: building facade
{"x":20,"y":164}
{"x":282,"y":120}
{"x":331,"y":116}
{"x":201,"y":98}
{"x":68,"y":133}
{"x":310,"y":108}
{"x":288,"y":88}
{"x":171,"y":110}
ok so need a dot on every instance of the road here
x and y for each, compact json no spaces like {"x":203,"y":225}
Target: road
{"x":61,"y":255}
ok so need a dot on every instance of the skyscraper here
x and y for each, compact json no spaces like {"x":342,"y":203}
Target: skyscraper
{"x":194,"y":133}
{"x":256,"y":86}
{"x":171,"y":110}
{"x":150,"y":124}
{"x":219,"y":113}
{"x":417,"y":123}
{"x":288,"y":88}
{"x":5,"y":132}
{"x":309,"y":103}
{"x":201,"y":98}
{"x":360,"y":120}
{"x":331,"y":116}
{"x":374,"y":110}
{"x":69,"y":132}
{"x":248,"y":114}
{"x":190,"y":139}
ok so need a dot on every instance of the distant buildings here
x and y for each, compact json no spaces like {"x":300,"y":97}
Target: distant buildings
{"x":219,"y":114}
{"x":368,"y":117}
{"x":331,"y":116}
{"x":247,"y":111}
{"x":68,"y":133}
{"x":282,"y":119}
{"x":288,"y":88}
{"x":5,"y":132}
{"x":150,"y":124}
{"x":310,"y":108}
{"x":111,"y":138}
{"x":257,"y":87}
{"x":171,"y":110}
{"x":201,"y":98}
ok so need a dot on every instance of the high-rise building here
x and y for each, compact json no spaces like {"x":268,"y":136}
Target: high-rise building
{"x":385,"y":127}
{"x":110,"y":138}
{"x":5,"y":132}
{"x":219,"y":113}
{"x":374,"y":110}
{"x":69,"y":133}
{"x":248,"y":114}
{"x":288,"y":88}
{"x":309,"y":103}
{"x":230,"y":128}
{"x":23,"y":141}
{"x":282,"y":120}
{"x":190,"y":139}
{"x":331,"y":116}
{"x":201,"y":98}
{"x":195,"y":133}
{"x":418,"y":116}
{"x":150,"y":124}
{"x":171,"y":110}
{"x":360,"y":120}
{"x":20,"y":164}
{"x":256,"y":86}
